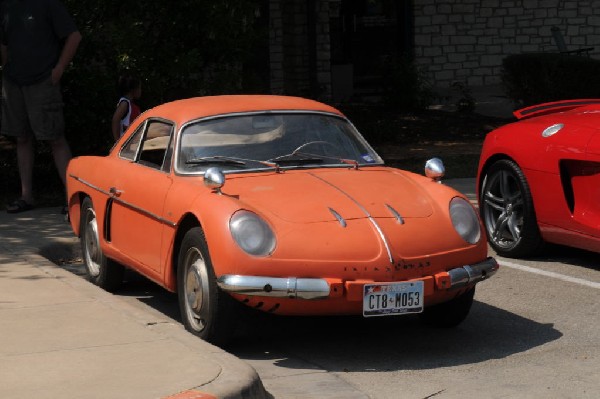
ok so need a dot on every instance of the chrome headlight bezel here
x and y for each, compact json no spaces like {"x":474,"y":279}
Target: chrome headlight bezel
{"x":465,"y":220}
{"x":251,"y":233}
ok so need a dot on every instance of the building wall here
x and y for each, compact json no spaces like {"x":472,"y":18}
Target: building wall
{"x":466,"y":40}
{"x":300,"y":56}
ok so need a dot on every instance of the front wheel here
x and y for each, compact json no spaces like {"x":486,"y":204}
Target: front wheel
{"x":507,"y":210}
{"x":101,"y":271}
{"x":206,"y":311}
{"x":451,"y":313}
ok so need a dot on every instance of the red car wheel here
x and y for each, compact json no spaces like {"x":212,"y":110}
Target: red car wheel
{"x":507,"y":211}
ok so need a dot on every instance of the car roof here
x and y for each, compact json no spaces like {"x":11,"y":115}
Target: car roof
{"x":182,"y":111}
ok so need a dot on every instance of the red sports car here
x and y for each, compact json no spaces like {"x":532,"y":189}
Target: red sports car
{"x":539,"y":179}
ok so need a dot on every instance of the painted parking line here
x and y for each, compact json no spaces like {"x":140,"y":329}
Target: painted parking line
{"x":559,"y":276}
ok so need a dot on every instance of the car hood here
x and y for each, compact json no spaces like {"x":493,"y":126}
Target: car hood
{"x":318,"y":195}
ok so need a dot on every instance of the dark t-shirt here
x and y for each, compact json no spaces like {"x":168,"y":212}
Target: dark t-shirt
{"x":33,"y":31}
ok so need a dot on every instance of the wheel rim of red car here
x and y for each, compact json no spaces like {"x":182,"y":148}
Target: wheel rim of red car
{"x":503,"y":209}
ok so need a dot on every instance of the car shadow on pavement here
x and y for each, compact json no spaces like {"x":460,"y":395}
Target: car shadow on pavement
{"x":352,"y":343}
{"x":343,"y":344}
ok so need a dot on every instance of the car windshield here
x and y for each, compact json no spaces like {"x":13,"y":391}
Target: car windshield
{"x":272,"y":140}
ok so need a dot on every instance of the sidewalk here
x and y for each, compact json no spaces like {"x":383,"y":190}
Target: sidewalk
{"x":63,"y":337}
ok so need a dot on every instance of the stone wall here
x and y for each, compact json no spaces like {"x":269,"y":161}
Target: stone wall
{"x":466,"y":40}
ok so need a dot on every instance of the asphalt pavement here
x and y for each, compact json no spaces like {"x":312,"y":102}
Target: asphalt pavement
{"x":489,"y":100}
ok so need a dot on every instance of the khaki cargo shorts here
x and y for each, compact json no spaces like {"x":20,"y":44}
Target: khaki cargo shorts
{"x":33,"y":109}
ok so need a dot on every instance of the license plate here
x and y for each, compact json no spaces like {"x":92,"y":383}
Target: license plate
{"x":393,"y":298}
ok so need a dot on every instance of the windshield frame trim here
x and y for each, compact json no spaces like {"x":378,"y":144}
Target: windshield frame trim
{"x":178,"y":172}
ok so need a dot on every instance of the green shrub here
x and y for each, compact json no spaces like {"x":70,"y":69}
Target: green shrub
{"x":536,"y":78}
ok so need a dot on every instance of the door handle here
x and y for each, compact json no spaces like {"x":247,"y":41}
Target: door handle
{"x":114,"y":192}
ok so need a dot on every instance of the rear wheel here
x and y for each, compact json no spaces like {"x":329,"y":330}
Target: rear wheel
{"x":507,"y":211}
{"x":206,"y":311}
{"x":451,"y":313}
{"x":101,"y":271}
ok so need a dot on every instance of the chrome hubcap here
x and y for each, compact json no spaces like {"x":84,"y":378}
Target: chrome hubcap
{"x":91,"y":244}
{"x":196,"y":289}
{"x":503,"y":209}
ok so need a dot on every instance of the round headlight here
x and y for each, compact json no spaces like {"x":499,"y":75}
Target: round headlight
{"x":465,"y":220}
{"x":252,"y":233}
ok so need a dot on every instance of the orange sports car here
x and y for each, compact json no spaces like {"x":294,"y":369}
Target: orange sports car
{"x":277,"y":203}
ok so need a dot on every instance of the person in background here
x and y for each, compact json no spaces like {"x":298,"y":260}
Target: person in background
{"x":38,"y":41}
{"x":130,"y":89}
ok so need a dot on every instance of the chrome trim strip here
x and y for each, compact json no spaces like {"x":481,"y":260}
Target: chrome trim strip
{"x":471,"y":274}
{"x":383,"y":238}
{"x":90,"y":185}
{"x":276,"y":287}
{"x":338,"y":217}
{"x":366,"y":212}
{"x":125,"y":203}
{"x":396,"y":214}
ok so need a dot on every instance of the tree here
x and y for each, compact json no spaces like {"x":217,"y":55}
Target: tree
{"x":178,"y":49}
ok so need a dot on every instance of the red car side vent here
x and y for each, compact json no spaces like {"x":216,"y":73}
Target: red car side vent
{"x":552,"y":107}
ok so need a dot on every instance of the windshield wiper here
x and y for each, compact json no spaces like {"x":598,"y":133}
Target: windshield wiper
{"x":217,"y":159}
{"x":296,"y":161}
{"x":295,"y":158}
{"x":220,"y":159}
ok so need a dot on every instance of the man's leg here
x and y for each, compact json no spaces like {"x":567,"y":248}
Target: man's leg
{"x":25,"y":157}
{"x":62,"y":155}
{"x":15,"y":123}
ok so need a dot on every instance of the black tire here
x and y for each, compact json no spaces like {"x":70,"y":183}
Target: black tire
{"x":449,"y":314}
{"x":206,"y":311}
{"x":507,"y":211}
{"x":103,"y":272}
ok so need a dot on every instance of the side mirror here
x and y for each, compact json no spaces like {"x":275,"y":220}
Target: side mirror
{"x":214,"y":179}
{"x":434,"y":169}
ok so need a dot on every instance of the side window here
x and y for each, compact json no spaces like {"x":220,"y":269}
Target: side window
{"x":130,"y":148}
{"x":156,"y":144}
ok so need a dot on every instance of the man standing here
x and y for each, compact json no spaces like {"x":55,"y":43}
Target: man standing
{"x":39,"y":39}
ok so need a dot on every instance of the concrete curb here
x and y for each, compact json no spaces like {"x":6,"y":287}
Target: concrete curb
{"x":234,"y":377}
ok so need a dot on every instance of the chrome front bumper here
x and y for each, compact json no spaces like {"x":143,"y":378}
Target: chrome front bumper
{"x":316,"y":288}
{"x":290,"y":287}
{"x":470,"y":274}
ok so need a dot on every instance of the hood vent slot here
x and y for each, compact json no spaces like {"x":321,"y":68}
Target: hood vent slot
{"x":395,"y":213}
{"x":338,"y":217}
